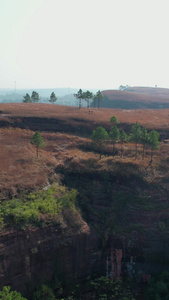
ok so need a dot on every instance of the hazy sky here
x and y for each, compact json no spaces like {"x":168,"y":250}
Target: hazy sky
{"x":84,"y":43}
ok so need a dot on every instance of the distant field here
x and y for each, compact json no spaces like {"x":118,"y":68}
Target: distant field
{"x":137,"y":97}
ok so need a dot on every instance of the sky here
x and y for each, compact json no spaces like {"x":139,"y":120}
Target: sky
{"x":90,"y":44}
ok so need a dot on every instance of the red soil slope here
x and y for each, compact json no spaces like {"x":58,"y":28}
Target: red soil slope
{"x":139,"y":94}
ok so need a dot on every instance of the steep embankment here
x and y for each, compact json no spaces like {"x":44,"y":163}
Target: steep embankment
{"x":127,"y":203}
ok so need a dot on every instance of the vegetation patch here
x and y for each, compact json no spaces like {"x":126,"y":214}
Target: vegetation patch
{"x":101,"y":288}
{"x":158,"y":287}
{"x":38,"y":208}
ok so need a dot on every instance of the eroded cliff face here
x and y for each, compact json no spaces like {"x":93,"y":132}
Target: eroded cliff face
{"x":125,"y":231}
{"x":32,"y":257}
{"x":129,"y":209}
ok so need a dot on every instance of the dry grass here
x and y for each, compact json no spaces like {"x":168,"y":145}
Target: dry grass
{"x":19,"y":167}
{"x":151,"y":118}
{"x":140,"y":94}
{"x":21,"y":170}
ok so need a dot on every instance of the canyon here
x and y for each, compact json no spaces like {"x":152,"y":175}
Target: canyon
{"x":121,"y":225}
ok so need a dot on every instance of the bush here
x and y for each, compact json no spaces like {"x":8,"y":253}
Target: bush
{"x":38,"y":207}
{"x":45,"y":293}
{"x":158,"y":287}
{"x":5,"y":294}
{"x":107,"y":288}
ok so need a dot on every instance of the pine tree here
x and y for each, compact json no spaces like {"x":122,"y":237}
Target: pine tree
{"x":99,"y":136}
{"x":37,"y":141}
{"x":98,"y":97}
{"x":153,"y":142}
{"x":123,"y":138}
{"x":114,"y":120}
{"x":79,"y":96}
{"x":27,"y":98}
{"x":135,"y":136}
{"x":114,"y":135}
{"x":87,"y":96}
{"x":144,"y":139}
{"x":35,"y":97}
{"x":53,"y":98}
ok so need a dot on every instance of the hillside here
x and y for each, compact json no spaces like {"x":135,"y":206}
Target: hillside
{"x":48,"y":117}
{"x":120,"y":211}
{"x":160,"y":92}
{"x":68,"y":126}
{"x":136,"y":97}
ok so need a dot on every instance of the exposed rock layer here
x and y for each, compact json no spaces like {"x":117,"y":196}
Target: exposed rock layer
{"x":32,"y":257}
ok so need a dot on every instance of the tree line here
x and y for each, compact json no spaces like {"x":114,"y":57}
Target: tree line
{"x":81,"y":96}
{"x":88,"y":96}
{"x":34,"y":98}
{"x":138,"y":135}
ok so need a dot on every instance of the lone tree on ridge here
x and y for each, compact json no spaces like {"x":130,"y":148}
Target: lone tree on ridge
{"x":53,"y":98}
{"x":37,"y":141}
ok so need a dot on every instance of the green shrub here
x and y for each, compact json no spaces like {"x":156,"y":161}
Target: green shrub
{"x":5,"y":294}
{"x":44,"y":293}
{"x":158,"y":287}
{"x":38,"y":207}
{"x":107,"y":288}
